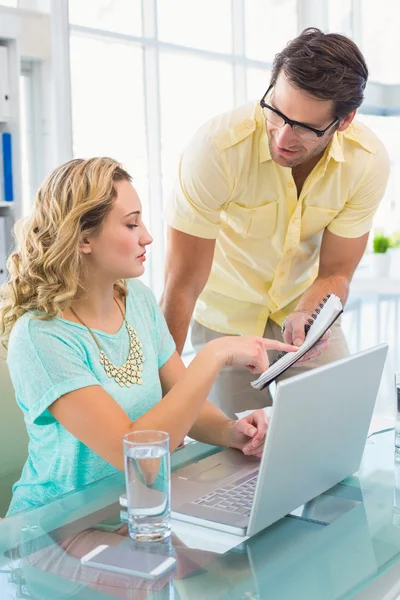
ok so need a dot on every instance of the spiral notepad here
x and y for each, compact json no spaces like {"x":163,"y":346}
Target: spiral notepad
{"x":323,"y":317}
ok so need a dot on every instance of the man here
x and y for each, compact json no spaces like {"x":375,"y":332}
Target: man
{"x":273,"y":208}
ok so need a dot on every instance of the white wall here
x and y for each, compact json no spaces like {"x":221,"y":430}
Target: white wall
{"x":32,"y":28}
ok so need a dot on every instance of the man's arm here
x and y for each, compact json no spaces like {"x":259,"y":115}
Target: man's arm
{"x":188,"y":265}
{"x":339,"y":258}
{"x":345,"y":239}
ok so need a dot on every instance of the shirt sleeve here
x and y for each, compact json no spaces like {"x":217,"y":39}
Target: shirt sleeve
{"x":201,"y":190}
{"x":355,"y":219}
{"x":43,"y":367}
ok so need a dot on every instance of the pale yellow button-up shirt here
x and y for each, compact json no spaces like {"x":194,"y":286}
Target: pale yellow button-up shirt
{"x":267,"y":238}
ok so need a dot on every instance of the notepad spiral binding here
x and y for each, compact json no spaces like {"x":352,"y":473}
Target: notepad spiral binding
{"x":314,"y":315}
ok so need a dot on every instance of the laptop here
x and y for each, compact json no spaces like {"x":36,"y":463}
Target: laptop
{"x":316,"y":438}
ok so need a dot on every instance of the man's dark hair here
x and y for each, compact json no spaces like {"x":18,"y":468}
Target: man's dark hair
{"x":329,"y":66}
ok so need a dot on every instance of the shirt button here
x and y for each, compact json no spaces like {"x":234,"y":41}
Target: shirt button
{"x":289,"y":251}
{"x":290,"y":184}
{"x":249,"y":125}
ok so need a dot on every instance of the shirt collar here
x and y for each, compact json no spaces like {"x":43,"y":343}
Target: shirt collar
{"x":263,"y":145}
{"x":360,"y":136}
{"x":263,"y":148}
{"x":335,"y":149}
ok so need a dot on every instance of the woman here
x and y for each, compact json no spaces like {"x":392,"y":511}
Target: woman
{"x":89,"y":353}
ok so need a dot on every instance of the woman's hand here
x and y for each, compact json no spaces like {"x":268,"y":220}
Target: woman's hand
{"x":249,"y":352}
{"x":248,"y":434}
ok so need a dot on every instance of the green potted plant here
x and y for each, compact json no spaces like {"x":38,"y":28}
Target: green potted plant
{"x":381,"y":256}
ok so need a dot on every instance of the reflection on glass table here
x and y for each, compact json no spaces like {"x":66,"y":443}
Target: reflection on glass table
{"x":331,"y":548}
{"x":396,"y":491}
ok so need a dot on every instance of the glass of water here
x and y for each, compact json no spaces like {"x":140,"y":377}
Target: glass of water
{"x":148,"y":484}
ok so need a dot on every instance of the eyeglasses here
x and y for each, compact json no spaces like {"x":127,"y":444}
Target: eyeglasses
{"x":305,"y":132}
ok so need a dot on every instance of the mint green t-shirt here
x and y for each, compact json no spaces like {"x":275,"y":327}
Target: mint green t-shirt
{"x":48,"y":359}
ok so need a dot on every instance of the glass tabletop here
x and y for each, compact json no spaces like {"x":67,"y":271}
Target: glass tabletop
{"x":330,"y":548}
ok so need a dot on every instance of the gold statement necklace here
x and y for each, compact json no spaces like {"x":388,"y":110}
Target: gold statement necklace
{"x":131,"y":371}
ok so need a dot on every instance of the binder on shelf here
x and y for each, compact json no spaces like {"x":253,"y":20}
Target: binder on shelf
{"x":5,"y":104}
{"x":7,"y":168}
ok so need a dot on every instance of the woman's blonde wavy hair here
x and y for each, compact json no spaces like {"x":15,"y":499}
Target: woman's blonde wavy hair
{"x":45,"y":268}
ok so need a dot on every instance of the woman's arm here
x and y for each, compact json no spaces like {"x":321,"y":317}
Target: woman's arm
{"x":212,"y":426}
{"x":93,"y":416}
{"x":97,"y":420}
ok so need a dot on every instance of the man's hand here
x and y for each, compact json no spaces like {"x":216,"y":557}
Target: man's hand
{"x":294,"y":327}
{"x":294,"y":333}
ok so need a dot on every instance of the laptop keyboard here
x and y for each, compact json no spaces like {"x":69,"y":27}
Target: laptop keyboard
{"x":233,"y":497}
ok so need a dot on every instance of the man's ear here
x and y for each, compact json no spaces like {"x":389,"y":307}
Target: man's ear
{"x":85,"y":246}
{"x":344,"y":123}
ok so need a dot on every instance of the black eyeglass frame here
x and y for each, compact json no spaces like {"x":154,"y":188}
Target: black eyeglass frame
{"x":318,"y":132}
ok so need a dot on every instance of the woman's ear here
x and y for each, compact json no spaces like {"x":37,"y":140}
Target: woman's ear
{"x":85,"y":246}
{"x":344,"y":123}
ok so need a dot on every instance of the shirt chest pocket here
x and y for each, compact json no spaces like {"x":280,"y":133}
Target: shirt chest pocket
{"x":252,"y":222}
{"x":315,"y":219}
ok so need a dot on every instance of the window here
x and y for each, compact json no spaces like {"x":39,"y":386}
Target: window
{"x":192,"y":90}
{"x":205,"y":24}
{"x":340,"y":17}
{"x":381,"y":41}
{"x":120,"y":16}
{"x":269,"y":25}
{"x":388,"y":131}
{"x":108,"y":106}
{"x":257,"y":82}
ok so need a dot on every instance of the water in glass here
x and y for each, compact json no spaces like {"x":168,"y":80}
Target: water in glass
{"x":147,"y":471}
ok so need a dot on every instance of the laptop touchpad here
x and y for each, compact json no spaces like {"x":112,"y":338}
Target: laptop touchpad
{"x":213,"y":473}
